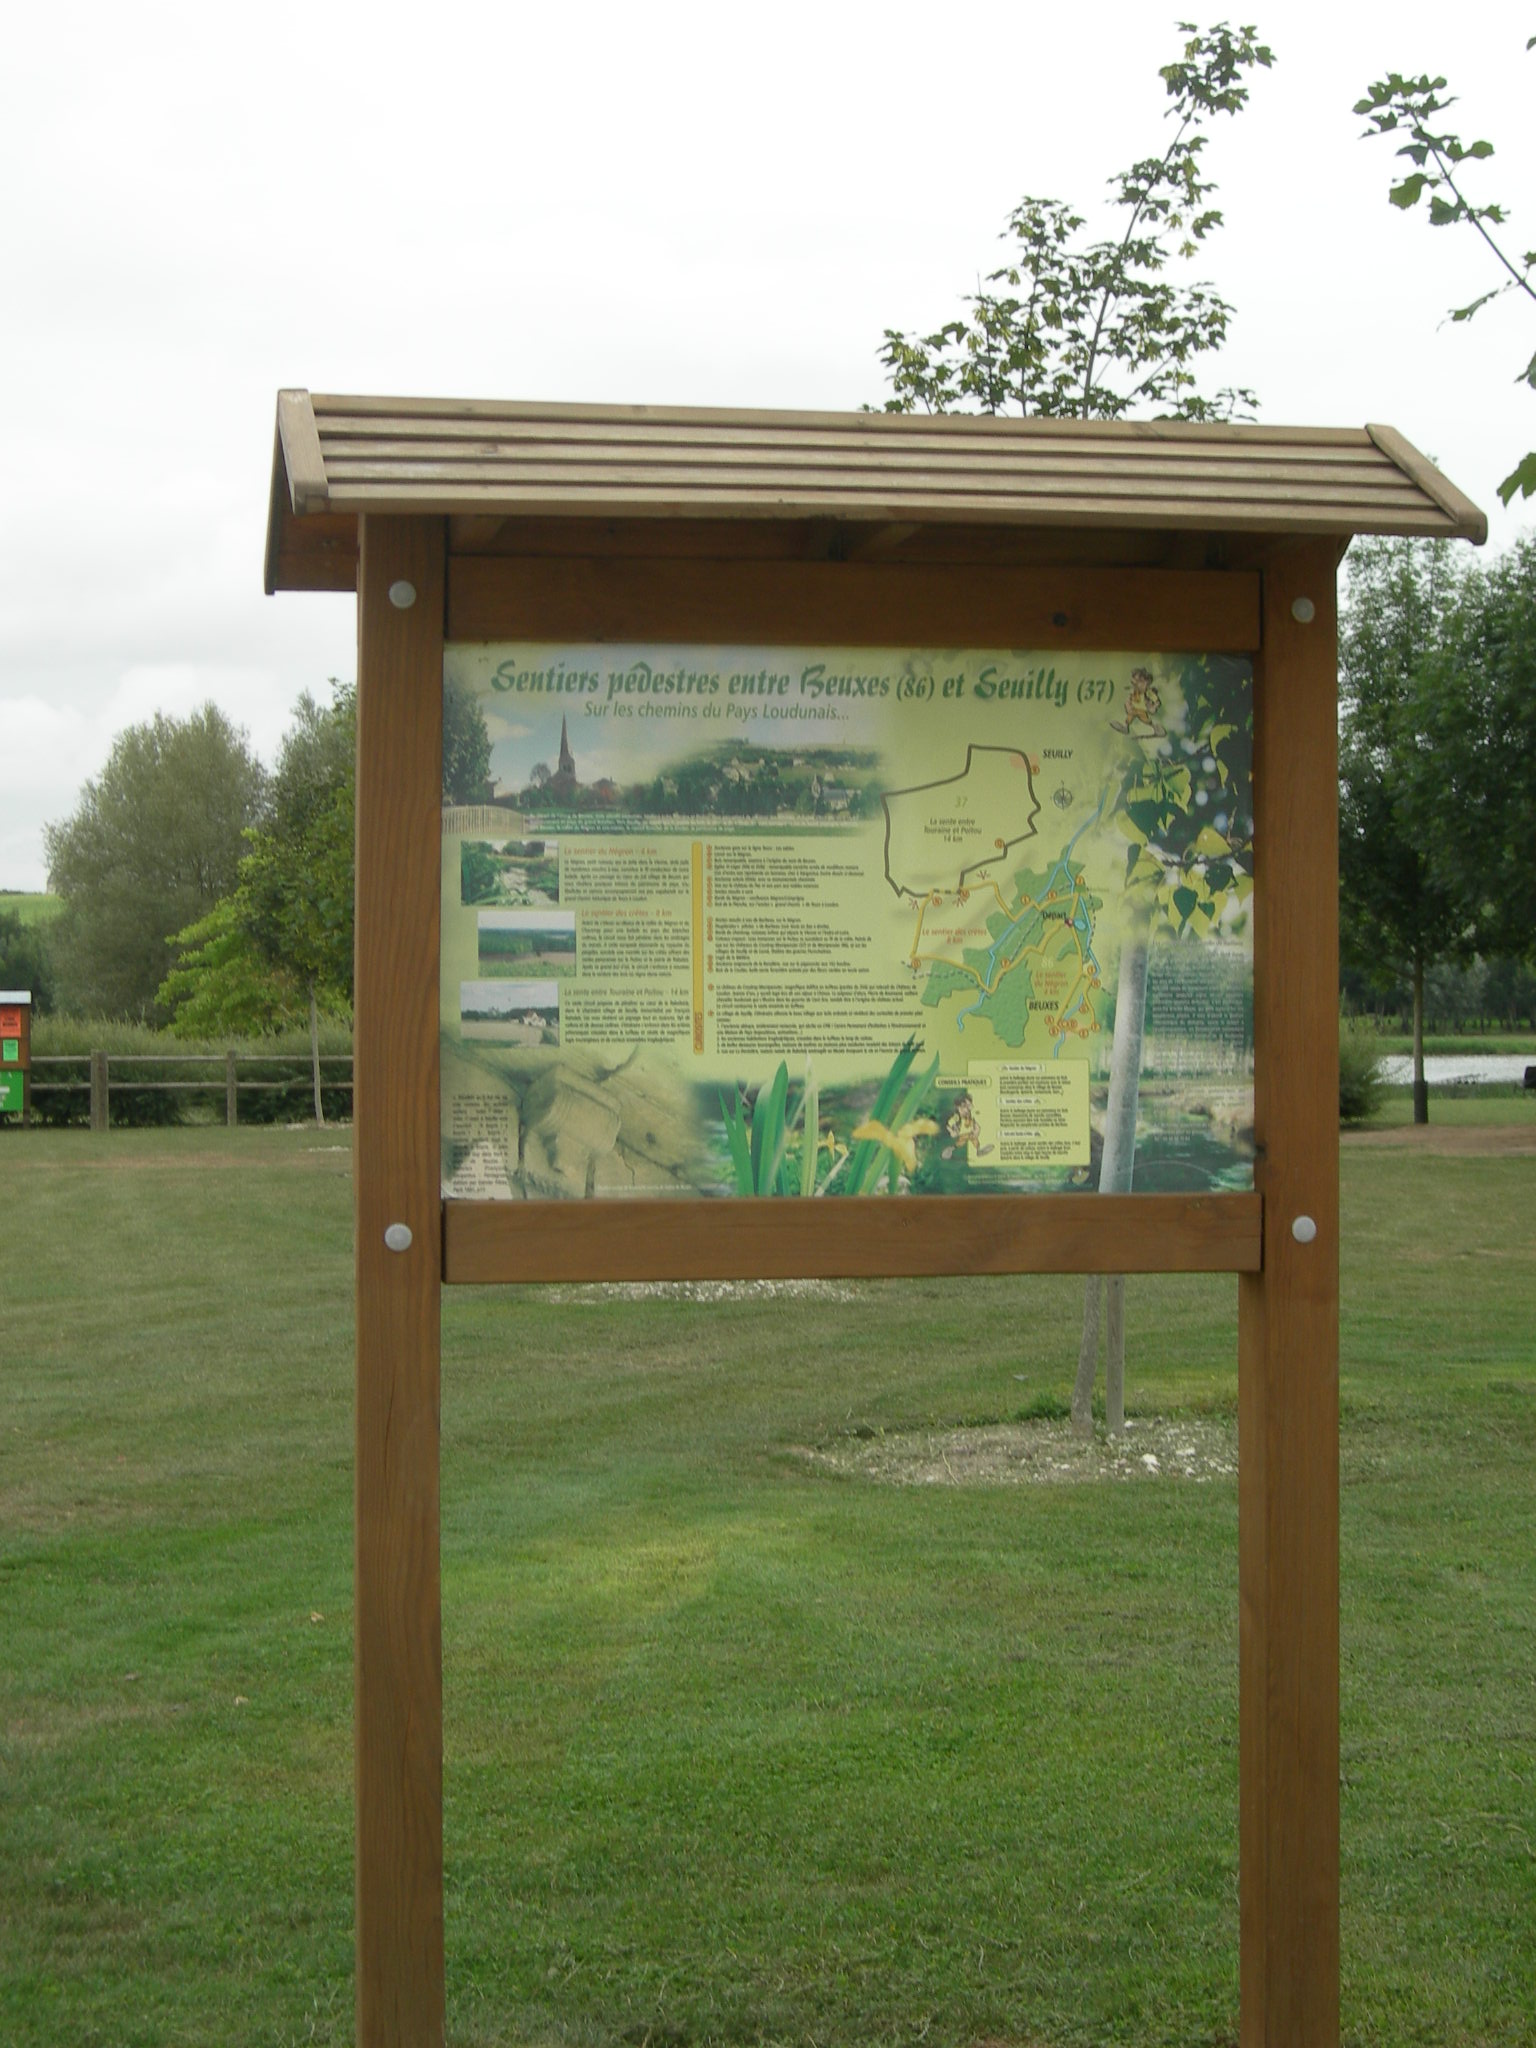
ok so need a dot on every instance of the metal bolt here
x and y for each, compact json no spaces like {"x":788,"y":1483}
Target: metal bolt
{"x":1303,"y":610}
{"x":402,"y":595}
{"x":1303,"y":1230}
{"x":398,"y":1237}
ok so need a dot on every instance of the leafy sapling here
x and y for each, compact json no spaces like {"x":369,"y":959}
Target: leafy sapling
{"x":1074,"y":329}
{"x":1396,"y":105}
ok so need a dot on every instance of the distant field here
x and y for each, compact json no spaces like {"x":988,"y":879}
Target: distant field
{"x":774,"y":1713}
{"x":1451,"y":1044}
{"x":31,"y":906}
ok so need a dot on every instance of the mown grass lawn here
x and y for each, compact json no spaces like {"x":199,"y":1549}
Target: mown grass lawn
{"x":1502,"y":1109}
{"x":742,"y":1745}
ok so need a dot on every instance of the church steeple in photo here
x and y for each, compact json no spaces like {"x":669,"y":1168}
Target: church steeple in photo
{"x":567,"y":758}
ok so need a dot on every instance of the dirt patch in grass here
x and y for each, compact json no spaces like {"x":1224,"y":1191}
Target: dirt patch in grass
{"x":184,"y":1149}
{"x":705,"y":1290}
{"x":1036,"y":1453}
{"x":1447,"y":1141}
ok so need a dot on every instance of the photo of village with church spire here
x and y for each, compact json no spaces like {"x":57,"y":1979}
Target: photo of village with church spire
{"x":512,"y":819}
{"x":735,"y":780}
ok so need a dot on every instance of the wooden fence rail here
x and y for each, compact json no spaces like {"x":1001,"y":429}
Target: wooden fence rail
{"x":104,"y":1070}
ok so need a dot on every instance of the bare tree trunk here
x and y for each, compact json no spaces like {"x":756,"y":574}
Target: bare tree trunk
{"x":314,"y":1055}
{"x":1087,"y":1358}
{"x":1420,"y":1085}
{"x":1116,"y":1165}
{"x":1114,"y":1355}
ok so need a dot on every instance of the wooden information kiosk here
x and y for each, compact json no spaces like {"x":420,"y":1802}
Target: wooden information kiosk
{"x":467,"y":526}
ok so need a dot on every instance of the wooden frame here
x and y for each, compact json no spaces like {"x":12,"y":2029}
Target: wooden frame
{"x":398,"y":1652}
{"x":1288,"y":1488}
{"x":440,"y":558}
{"x":867,"y":1237}
{"x":698,"y":599}
{"x":1151,"y":611}
{"x":1288,"y":1335}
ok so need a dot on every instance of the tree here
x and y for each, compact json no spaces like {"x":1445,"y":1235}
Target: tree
{"x":222,"y":982}
{"x":1095,"y":330}
{"x":24,"y":961}
{"x":1402,"y":904}
{"x":479,"y":873}
{"x":296,"y":883}
{"x":279,"y":946}
{"x":1185,"y":810}
{"x":1412,"y":106}
{"x":466,"y":746}
{"x":155,"y":842}
{"x":1478,"y":691}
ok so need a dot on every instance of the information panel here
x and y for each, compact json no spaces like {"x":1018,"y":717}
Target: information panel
{"x":819,"y":921}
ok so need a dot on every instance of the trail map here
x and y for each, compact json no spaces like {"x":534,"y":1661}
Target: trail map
{"x":827,"y":921}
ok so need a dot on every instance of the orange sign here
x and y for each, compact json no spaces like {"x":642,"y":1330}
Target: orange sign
{"x":10,"y":1023}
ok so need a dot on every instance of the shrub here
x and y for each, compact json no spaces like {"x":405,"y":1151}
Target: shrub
{"x":134,"y":1105}
{"x":1360,"y":1083}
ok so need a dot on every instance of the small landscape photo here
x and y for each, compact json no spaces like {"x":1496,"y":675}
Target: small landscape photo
{"x":521,"y":872}
{"x":515,"y":944}
{"x":511,"y":1012}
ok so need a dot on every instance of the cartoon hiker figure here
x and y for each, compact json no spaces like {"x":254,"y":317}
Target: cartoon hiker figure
{"x":960,"y":1129}
{"x":1142,"y":704}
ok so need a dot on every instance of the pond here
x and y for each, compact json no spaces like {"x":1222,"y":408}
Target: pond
{"x":1459,"y":1069}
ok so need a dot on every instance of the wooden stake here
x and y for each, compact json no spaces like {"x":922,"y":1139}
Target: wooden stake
{"x":398,"y":1650}
{"x":1288,"y":1336}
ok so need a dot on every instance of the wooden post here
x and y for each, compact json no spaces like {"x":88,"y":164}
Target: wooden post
{"x":231,"y":1089}
{"x":398,"y":1649}
{"x":1288,"y":1336}
{"x":101,"y":1099}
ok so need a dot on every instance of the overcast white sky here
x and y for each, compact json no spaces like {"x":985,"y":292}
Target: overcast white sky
{"x":701,"y":204}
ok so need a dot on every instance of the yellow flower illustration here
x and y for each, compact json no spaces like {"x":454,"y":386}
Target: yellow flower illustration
{"x":903,"y":1142}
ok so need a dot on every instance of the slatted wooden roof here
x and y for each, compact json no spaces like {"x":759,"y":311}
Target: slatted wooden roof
{"x":489,"y":465}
